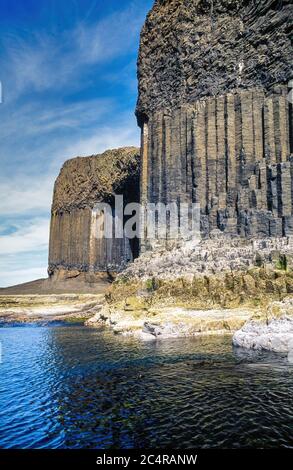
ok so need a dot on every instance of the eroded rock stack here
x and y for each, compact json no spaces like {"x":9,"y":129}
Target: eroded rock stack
{"x":215,"y":112}
{"x":216,"y":116}
{"x":81,"y":184}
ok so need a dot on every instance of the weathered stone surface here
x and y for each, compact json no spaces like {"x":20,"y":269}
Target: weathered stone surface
{"x":192,"y":49}
{"x":214,"y":111}
{"x":213,"y":257}
{"x":275,"y":335}
{"x":172,"y":322}
{"x":48,"y":308}
{"x":82,"y":183}
{"x":214,"y":287}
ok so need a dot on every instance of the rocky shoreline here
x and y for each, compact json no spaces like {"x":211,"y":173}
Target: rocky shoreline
{"x":171,"y":322}
{"x":275,"y":335}
{"x":48,"y":308}
{"x":214,"y":287}
{"x":179,"y":322}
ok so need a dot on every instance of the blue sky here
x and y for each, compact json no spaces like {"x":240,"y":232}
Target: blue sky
{"x":68,"y":75}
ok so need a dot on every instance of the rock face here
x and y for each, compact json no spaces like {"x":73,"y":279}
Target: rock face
{"x":171,"y":322}
{"x":82,"y":183}
{"x":276,"y":335}
{"x":216,"y":117}
{"x":191,"y":49}
{"x":215,"y":112}
{"x":213,"y":257}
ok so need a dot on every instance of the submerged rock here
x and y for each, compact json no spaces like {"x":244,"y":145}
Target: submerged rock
{"x":274,"y":335}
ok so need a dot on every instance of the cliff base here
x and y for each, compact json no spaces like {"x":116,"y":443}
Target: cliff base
{"x":48,"y":308}
{"x":215,"y":286}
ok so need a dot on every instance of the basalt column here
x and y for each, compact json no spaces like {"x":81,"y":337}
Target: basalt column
{"x":215,"y":112}
{"x":75,"y":244}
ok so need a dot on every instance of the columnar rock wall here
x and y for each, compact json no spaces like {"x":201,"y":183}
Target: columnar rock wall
{"x":216,"y":129}
{"x":215,"y":115}
{"x":81,"y":184}
{"x":231,"y":154}
{"x":192,"y":49}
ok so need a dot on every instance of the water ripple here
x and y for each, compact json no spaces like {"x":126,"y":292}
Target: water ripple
{"x":73,"y":387}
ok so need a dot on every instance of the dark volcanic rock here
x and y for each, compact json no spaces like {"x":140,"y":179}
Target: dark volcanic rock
{"x":217,"y":130}
{"x":215,"y":112}
{"x":191,"y":49}
{"x":81,"y":184}
{"x":84,"y":181}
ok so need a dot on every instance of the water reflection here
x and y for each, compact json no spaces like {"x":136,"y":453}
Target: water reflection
{"x":75,"y":387}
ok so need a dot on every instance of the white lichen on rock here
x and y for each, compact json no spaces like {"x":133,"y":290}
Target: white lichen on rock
{"x":274,"y":335}
{"x":218,"y":254}
{"x":173,"y":322}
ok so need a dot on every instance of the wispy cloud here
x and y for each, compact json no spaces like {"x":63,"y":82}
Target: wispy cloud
{"x":23,"y":250}
{"x":48,"y":61}
{"x":67,"y":92}
{"x":25,"y":195}
{"x":111,"y":37}
{"x":12,"y":277}
{"x":26,"y":237}
{"x":29,"y":193}
{"x":106,"y":137}
{"x":38,"y":118}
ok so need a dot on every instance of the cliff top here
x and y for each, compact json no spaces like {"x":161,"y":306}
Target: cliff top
{"x":84,"y":181}
{"x":191,"y":49}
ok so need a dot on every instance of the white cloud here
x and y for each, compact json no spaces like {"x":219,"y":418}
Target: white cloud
{"x":26,"y":237}
{"x":31,"y":193}
{"x":112,"y":36}
{"x":105,"y":138}
{"x":21,"y":195}
{"x":50,"y":61}
{"x":19,"y":276}
{"x":40,"y":118}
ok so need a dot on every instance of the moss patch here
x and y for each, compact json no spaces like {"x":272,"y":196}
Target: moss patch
{"x":253,"y":288}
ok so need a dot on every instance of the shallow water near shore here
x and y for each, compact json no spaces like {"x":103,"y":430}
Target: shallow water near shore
{"x":77,"y":387}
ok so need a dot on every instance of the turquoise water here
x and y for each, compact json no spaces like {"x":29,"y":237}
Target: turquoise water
{"x":75,"y":387}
